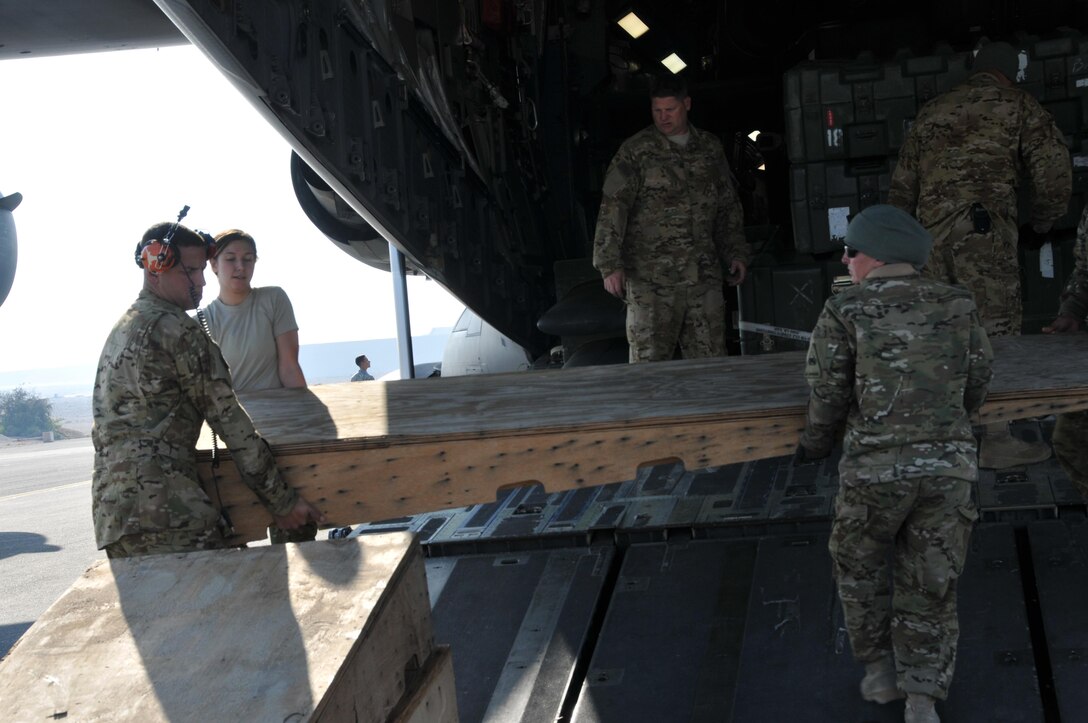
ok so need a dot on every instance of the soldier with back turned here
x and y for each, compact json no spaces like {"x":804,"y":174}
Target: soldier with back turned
{"x":958,"y":172}
{"x":901,"y":362}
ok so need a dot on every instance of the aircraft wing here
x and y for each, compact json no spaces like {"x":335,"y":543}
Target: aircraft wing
{"x":60,"y":27}
{"x":397,"y":115}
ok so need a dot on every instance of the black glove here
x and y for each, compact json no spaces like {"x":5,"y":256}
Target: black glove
{"x":1032,"y":239}
{"x":803,"y":455}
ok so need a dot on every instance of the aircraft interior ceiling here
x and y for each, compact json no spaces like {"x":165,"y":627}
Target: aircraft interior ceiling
{"x":475,"y":135}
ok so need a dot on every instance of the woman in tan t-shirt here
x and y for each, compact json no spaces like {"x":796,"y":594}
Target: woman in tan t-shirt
{"x":254,"y":327}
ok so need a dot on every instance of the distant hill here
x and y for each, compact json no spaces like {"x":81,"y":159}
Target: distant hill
{"x":322,"y":364}
{"x":52,"y":381}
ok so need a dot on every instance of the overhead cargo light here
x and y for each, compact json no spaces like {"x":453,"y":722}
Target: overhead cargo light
{"x":753,"y":135}
{"x":673,"y":63}
{"x":633,"y":25}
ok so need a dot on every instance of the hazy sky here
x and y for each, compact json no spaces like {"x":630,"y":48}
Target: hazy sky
{"x":104,"y":145}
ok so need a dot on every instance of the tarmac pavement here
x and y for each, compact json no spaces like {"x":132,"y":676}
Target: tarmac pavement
{"x":46,"y":535}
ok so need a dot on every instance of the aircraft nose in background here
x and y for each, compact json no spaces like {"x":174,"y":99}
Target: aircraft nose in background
{"x":8,"y":246}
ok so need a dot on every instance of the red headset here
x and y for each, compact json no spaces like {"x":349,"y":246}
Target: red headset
{"x":160,"y":255}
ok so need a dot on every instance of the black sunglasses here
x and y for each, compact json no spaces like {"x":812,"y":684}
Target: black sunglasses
{"x":850,"y":252}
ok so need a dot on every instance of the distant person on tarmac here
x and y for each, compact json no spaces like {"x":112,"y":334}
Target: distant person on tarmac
{"x":254,"y":326}
{"x":159,"y":378}
{"x":670,"y":221}
{"x":1070,"y":438}
{"x":362,"y":375}
{"x":958,"y":173}
{"x":901,"y":362}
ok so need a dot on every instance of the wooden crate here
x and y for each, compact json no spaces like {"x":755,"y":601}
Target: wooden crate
{"x":322,"y":631}
{"x":432,"y":695}
{"x":374,"y":451}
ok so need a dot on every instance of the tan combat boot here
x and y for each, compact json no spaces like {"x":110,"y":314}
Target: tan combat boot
{"x":878,"y":685}
{"x":919,"y":709}
{"x":998,"y":449}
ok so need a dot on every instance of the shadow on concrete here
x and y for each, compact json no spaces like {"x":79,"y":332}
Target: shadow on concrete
{"x":18,"y":543}
{"x":10,"y":633}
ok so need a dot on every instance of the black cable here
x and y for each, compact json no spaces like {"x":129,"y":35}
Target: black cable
{"x":203,"y":320}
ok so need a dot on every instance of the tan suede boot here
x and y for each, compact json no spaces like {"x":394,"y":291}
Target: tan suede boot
{"x":919,"y":709}
{"x":998,"y":449}
{"x":878,"y":685}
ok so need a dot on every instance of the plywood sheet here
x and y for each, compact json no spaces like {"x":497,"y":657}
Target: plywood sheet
{"x":279,"y":632}
{"x":374,"y":450}
{"x":432,"y":697}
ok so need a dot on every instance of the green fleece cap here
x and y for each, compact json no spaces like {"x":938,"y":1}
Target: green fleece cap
{"x":891,"y":235}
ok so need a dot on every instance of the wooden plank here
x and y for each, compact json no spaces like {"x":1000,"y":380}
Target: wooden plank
{"x":372,"y":451}
{"x":295,"y":632}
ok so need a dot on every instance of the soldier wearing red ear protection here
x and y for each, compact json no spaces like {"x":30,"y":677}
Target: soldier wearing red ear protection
{"x":159,"y":378}
{"x":158,"y":249}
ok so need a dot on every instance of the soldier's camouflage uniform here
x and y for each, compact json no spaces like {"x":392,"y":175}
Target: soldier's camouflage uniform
{"x":159,"y":377}
{"x":969,"y":146}
{"x":670,"y":218}
{"x":903,"y":360}
{"x":1070,"y":439}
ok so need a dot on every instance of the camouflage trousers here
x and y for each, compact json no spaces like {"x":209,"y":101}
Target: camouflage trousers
{"x":1070,"y":442}
{"x":921,"y":527}
{"x":167,"y":541}
{"x":987,"y":264}
{"x":660,"y":318}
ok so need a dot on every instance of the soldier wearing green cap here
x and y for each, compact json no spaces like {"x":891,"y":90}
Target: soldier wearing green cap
{"x":901,"y":362}
{"x":958,"y":172}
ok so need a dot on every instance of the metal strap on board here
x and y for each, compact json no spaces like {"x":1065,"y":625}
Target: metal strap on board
{"x":775,"y":330}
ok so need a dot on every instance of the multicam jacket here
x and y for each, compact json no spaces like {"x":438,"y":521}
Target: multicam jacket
{"x":159,"y":378}
{"x":903,"y":360}
{"x":971,"y":144}
{"x":1075,"y":296}
{"x":669,"y":213}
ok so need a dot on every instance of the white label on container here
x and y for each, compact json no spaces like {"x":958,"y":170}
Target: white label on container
{"x":1082,"y":82}
{"x":1046,"y":260}
{"x":1080,"y":161}
{"x":837,"y":220}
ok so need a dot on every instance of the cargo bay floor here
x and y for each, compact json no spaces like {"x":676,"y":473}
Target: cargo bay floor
{"x":707,"y":595}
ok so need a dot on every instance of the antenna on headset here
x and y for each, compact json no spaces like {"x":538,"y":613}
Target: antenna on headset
{"x":170,"y":234}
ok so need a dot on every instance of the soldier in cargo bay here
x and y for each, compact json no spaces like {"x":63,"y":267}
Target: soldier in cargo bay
{"x":958,"y":173}
{"x":900,"y":362}
{"x":1071,"y":429}
{"x":670,"y":223}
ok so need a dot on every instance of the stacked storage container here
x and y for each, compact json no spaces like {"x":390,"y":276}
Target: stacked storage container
{"x":845,"y":122}
{"x":1055,"y":72}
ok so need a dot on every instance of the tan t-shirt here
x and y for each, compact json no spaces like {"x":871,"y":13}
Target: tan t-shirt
{"x":247,"y":333}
